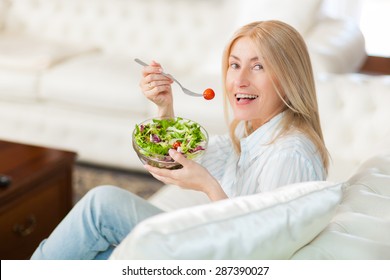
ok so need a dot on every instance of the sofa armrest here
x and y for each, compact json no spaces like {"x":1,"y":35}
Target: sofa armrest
{"x":336,"y":46}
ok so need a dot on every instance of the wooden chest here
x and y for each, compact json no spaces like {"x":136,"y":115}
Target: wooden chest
{"x":36,"y":200}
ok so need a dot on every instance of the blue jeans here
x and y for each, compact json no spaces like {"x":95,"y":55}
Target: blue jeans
{"x":95,"y":225}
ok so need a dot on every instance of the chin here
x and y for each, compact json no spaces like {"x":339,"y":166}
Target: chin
{"x":243,"y":117}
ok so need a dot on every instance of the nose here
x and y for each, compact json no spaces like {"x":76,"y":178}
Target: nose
{"x":242,"y":78}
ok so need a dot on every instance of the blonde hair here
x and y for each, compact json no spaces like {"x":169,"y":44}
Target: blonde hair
{"x":286,"y":59}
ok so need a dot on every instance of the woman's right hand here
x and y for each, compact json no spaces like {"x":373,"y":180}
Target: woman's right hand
{"x":157,"y":88}
{"x":192,"y":176}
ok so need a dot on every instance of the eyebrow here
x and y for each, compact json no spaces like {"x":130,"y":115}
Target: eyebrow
{"x":237,"y":58}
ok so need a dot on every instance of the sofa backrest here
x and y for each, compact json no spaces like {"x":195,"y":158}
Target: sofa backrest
{"x":354,"y":110}
{"x":180,"y":30}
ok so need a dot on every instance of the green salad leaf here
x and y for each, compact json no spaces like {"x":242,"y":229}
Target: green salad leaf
{"x":159,"y":135}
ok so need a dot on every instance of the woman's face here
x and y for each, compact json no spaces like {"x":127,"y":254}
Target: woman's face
{"x":250,"y":90}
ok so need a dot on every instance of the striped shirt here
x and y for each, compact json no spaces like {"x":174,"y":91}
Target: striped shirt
{"x":263,"y":166}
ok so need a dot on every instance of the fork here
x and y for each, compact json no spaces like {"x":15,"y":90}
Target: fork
{"x":186,"y":91}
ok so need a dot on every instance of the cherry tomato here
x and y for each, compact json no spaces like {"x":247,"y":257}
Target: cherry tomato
{"x":208,"y":94}
{"x":176,"y":145}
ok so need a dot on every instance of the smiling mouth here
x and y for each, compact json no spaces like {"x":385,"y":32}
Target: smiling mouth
{"x":240,"y":96}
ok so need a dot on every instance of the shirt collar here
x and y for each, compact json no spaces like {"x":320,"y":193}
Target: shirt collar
{"x":252,"y":145}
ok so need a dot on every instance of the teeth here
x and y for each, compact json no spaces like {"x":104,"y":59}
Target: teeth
{"x":250,"y":96}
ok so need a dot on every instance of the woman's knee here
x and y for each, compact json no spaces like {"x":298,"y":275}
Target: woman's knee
{"x":106,"y":195}
{"x":114,"y":201}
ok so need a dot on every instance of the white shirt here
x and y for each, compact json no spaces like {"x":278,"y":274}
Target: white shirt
{"x":262,"y":166}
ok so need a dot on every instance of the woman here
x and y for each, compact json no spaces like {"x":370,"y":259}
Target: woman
{"x":275,"y":133}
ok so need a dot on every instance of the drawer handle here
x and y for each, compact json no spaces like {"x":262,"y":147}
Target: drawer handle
{"x":27,"y":228}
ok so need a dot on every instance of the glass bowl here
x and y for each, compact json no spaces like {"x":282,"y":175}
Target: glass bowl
{"x":153,"y":138}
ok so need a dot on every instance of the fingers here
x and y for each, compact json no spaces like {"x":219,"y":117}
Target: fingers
{"x":151,"y":69}
{"x":157,"y":171}
{"x":154,"y":86}
{"x":178,"y":157}
{"x":156,"y":93}
{"x":167,"y":175}
{"x":153,"y":80}
{"x":161,"y":174}
{"x":160,"y":178}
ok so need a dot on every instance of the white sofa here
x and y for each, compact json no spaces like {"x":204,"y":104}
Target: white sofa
{"x":68,"y":80}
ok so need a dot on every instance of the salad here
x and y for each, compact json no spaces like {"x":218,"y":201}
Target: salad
{"x":157,"y":136}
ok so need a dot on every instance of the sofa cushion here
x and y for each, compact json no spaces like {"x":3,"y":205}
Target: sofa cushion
{"x":28,"y":53}
{"x":96,"y":81}
{"x":172,"y":197}
{"x":360,"y":229}
{"x":331,"y":50}
{"x":17,"y":85}
{"x":301,"y":14}
{"x":342,"y":246}
{"x":270,"y":225}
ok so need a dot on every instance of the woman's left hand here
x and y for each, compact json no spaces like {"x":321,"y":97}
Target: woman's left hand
{"x":191,"y":176}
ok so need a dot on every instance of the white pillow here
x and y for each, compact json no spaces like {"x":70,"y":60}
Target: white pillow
{"x":270,"y":225}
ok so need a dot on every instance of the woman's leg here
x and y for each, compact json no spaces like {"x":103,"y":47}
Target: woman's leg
{"x":96,"y":224}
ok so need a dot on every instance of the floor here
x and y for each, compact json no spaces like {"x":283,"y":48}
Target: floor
{"x":87,"y":177}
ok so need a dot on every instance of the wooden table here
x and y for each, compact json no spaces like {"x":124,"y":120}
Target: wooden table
{"x":39,"y":196}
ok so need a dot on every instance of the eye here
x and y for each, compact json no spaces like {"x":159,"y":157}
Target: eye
{"x":258,"y":67}
{"x":234,"y":65}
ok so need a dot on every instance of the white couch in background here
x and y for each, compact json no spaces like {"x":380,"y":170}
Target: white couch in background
{"x":68,"y":80}
{"x":354,"y":118}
